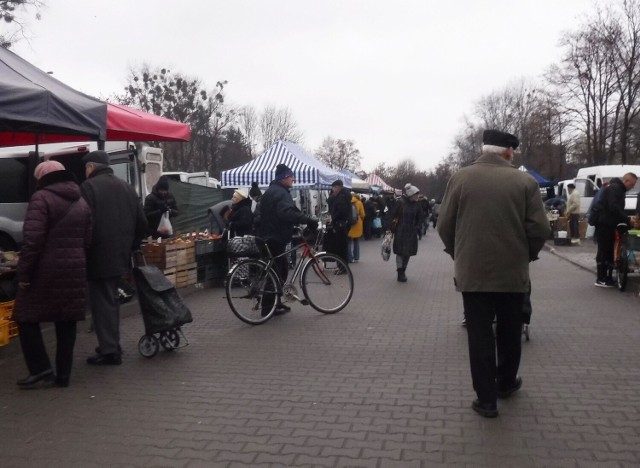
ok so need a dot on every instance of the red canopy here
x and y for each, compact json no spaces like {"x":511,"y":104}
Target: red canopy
{"x":123,"y":124}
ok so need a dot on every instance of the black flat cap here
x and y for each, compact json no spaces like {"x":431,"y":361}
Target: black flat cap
{"x":498,"y":138}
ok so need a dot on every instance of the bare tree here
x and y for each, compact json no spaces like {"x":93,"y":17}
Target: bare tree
{"x":248,"y":126}
{"x":278,"y":124}
{"x":12,"y":14}
{"x":339,"y":154}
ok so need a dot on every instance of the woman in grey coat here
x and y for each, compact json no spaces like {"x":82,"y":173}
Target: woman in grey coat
{"x":404,"y":224}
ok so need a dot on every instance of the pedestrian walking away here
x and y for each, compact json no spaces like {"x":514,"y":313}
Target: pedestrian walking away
{"x":493,"y":223}
{"x":356,"y":230}
{"x":405,"y":222}
{"x":119,"y":225}
{"x":51,"y":273}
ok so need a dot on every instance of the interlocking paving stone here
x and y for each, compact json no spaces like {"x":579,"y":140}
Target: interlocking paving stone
{"x":383,"y":383}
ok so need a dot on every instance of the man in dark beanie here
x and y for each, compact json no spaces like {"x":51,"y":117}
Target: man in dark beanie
{"x":158,"y":202}
{"x":493,"y":223}
{"x":336,"y":239}
{"x":278,"y":215}
{"x":119,"y":225}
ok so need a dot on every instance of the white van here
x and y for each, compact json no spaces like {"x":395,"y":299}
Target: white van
{"x":140,"y":166}
{"x":590,"y":179}
{"x":197,"y":178}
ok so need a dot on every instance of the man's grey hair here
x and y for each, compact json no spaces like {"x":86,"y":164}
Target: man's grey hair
{"x":493,"y":149}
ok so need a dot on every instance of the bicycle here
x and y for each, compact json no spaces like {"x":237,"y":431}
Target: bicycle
{"x":325,"y":279}
{"x":627,"y":244}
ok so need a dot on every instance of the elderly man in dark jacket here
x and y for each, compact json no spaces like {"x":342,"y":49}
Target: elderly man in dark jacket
{"x":119,"y":224}
{"x":52,"y":278}
{"x":610,"y":213}
{"x":278,"y":216}
{"x":493,"y":223}
{"x":336,"y":239}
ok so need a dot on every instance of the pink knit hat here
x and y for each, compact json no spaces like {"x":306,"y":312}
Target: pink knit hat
{"x":46,"y":167}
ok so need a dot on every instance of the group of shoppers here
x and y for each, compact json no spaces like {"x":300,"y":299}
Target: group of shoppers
{"x":77,"y":244}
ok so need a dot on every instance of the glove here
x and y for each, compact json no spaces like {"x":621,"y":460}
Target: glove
{"x":312,"y":224}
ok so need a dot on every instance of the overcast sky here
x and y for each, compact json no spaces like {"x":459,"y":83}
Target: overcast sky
{"x":396,"y":77}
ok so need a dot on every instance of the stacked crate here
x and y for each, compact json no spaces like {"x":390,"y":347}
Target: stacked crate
{"x":186,"y":267}
{"x":8,"y":328}
{"x":210,"y":259}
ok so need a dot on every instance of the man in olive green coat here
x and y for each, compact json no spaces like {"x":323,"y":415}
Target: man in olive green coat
{"x":493,"y":223}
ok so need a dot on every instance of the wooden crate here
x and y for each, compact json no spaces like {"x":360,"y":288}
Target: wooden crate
{"x":185,"y":253}
{"x":161,"y":255}
{"x":187,"y":275}
{"x":170,"y":274}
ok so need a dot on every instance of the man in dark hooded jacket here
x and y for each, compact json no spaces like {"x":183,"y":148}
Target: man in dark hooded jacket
{"x":610,"y":213}
{"x":119,"y":224}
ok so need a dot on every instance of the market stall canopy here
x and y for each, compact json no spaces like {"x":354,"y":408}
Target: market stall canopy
{"x":128,"y":124}
{"x":379,"y":185}
{"x":123,"y":124}
{"x":308,"y":171}
{"x":542,"y":182}
{"x":34,"y":103}
{"x":357,"y":184}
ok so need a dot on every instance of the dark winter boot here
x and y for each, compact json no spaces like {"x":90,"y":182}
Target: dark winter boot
{"x":401,"y":276}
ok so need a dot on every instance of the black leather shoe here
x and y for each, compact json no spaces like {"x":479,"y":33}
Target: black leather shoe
{"x":507,"y":392}
{"x":113,"y":359}
{"x":32,"y":381}
{"x":487,"y":410}
{"x":282,"y":309}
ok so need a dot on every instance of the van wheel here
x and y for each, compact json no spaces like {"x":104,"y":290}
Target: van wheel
{"x":7,"y":243}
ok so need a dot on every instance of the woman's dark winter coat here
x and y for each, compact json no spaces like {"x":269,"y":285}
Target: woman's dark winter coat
{"x":57,"y":234}
{"x":241,"y":219}
{"x":155,"y":204}
{"x":405,"y":240}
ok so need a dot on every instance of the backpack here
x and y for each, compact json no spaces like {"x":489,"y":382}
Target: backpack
{"x":593,"y":213}
{"x":354,"y":215}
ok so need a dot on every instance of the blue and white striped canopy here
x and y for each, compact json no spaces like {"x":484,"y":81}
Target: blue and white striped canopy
{"x":309,"y":172}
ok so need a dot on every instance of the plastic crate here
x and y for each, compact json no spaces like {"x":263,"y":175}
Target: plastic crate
{"x":4,"y":332}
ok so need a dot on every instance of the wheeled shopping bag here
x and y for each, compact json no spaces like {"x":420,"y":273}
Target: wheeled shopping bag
{"x":163,"y":312}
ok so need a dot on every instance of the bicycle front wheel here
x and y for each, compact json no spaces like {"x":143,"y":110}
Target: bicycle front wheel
{"x":251,"y":291}
{"x":327,"y":283}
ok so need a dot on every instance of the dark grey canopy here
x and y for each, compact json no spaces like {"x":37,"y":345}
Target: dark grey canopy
{"x":33,"y":102}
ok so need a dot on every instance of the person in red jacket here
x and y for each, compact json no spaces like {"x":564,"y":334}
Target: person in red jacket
{"x":52,"y":277}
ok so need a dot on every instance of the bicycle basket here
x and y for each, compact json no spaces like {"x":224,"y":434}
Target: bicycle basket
{"x":244,"y":246}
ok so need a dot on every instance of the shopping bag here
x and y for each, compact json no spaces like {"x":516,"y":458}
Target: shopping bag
{"x":165,"y":228}
{"x":244,"y":246}
{"x":385,"y":249}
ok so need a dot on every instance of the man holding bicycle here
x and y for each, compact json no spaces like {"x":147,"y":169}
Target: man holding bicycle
{"x":278,"y":216}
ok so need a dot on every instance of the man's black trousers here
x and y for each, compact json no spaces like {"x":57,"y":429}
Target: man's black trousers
{"x":488,"y":373}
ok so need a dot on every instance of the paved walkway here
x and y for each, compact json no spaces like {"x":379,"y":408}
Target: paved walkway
{"x":384,"y":383}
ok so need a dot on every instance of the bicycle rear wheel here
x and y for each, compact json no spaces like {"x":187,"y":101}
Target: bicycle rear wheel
{"x":622,"y":267}
{"x":327,"y":283}
{"x":251,"y":289}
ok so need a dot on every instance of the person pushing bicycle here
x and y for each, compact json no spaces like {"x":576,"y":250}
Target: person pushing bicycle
{"x":278,"y":216}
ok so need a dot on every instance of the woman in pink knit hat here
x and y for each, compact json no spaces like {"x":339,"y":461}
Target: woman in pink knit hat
{"x":51,"y":273}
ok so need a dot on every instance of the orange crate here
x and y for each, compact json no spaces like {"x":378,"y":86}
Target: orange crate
{"x":6,"y":310}
{"x":4,"y":332}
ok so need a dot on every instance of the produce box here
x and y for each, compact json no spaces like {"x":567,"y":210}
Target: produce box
{"x":185,"y":253}
{"x":562,"y":224}
{"x":161,"y":255}
{"x":170,"y":274}
{"x":186,"y":275}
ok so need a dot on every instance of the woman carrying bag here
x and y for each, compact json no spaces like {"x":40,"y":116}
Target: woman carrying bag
{"x":159,"y":202}
{"x":405,"y":220}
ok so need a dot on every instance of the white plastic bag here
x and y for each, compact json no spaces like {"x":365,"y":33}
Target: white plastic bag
{"x":165,"y":228}
{"x":591,"y":230}
{"x":385,"y":249}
